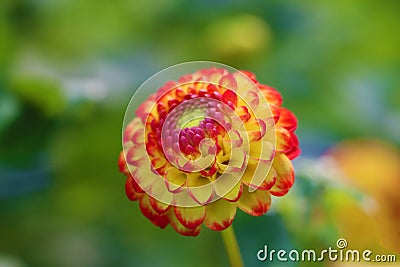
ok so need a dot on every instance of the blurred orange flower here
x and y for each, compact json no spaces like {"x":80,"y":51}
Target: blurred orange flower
{"x":373,"y":167}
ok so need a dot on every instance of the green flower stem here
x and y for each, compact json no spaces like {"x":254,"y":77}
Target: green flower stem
{"x":232,"y":247}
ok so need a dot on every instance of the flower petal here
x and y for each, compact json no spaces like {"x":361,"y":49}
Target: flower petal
{"x":243,"y":113}
{"x":130,"y":191}
{"x":287,"y":142}
{"x":158,"y":206}
{"x":287,"y":120}
{"x":293,"y":153}
{"x":229,"y":82}
{"x":144,"y":109}
{"x":255,"y":203}
{"x":190,"y":217}
{"x":228,"y":186}
{"x":245,"y":81}
{"x":284,"y":175}
{"x":135,"y":154}
{"x":213,"y":74}
{"x":230,"y":97}
{"x":180,"y":228}
{"x":259,"y":176}
{"x":160,"y":192}
{"x":235,"y":193}
{"x":166,"y":88}
{"x":220,"y":214}
{"x":271,"y":94}
{"x":122,"y":163}
{"x":199,"y":188}
{"x":256,"y":129}
{"x":158,"y":163}
{"x":237,"y":160}
{"x":261,"y":151}
{"x":275,"y":112}
{"x":174,"y":179}
{"x":144,"y":176}
{"x":283,"y":140}
{"x":157,"y":219}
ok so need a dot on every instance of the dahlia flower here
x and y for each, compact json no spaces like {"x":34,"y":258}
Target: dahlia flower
{"x":205,"y":145}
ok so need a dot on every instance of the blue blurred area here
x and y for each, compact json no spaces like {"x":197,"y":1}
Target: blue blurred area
{"x":16,"y":182}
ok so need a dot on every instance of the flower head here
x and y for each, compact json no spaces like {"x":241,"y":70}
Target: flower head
{"x":205,"y":145}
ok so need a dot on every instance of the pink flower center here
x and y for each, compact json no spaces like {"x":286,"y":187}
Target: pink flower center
{"x":190,"y":137}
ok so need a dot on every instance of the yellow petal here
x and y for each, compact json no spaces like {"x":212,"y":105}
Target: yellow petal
{"x":134,"y":132}
{"x":255,"y":203}
{"x":145,"y":177}
{"x":190,"y":217}
{"x":262,"y":150}
{"x":228,"y":186}
{"x":199,"y":188}
{"x":159,"y":191}
{"x":220,"y":214}
{"x":255,"y":129}
{"x":284,"y":175}
{"x":175,"y":179}
{"x":160,"y":220}
{"x":158,"y":206}
{"x":177,"y":225}
{"x":238,"y":160}
{"x":259,"y":176}
{"x":235,"y":193}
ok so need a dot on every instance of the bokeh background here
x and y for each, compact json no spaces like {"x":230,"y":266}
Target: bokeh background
{"x":68,"y":69}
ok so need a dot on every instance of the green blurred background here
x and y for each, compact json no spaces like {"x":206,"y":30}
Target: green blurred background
{"x":68,"y":69}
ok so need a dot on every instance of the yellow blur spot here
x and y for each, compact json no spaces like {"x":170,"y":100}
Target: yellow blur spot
{"x":238,"y":36}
